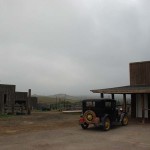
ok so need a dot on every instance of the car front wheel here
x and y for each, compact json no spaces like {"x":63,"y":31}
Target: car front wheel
{"x":84,"y":126}
{"x":125,"y":120}
{"x":106,"y":125}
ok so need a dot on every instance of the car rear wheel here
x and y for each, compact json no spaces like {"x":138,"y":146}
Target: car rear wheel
{"x":106,"y":125}
{"x":84,"y":126}
{"x":125,"y":120}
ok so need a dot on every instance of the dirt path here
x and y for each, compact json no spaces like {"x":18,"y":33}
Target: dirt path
{"x":65,"y":134}
{"x":36,"y":122}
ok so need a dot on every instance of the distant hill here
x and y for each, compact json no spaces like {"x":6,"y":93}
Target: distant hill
{"x":45,"y":99}
{"x":51,"y":99}
{"x":65,"y":96}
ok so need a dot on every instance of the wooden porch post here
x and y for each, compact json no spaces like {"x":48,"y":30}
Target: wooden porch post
{"x":124,"y":102}
{"x":13,"y":103}
{"x":28,"y":103}
{"x":2,"y":104}
{"x":143,"y":109}
{"x":112,"y":96}
{"x":133,"y":105}
{"x":102,"y":95}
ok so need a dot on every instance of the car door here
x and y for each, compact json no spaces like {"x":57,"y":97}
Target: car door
{"x":110,"y":109}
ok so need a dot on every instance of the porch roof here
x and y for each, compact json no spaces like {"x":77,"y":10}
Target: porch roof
{"x":124,"y":90}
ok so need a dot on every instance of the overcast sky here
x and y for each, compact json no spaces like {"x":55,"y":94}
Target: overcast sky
{"x":71,"y":46}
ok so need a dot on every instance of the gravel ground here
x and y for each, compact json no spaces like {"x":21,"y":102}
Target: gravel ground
{"x":69,"y":136}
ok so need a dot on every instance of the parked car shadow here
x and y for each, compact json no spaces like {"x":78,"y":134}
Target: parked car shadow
{"x":100,"y":129}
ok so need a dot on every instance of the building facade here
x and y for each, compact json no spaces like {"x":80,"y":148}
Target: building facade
{"x":12,"y":102}
{"x":139,"y":89}
{"x":140,"y":76}
{"x":7,"y":97}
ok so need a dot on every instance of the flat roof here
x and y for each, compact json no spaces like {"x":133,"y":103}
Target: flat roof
{"x":98,"y":100}
{"x":7,"y":85}
{"x":140,"y":62}
{"x":124,"y":90}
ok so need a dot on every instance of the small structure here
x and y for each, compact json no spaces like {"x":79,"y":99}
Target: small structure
{"x":139,"y":89}
{"x":34,"y":103}
{"x":21,"y":102}
{"x":15,"y":102}
{"x":7,"y":98}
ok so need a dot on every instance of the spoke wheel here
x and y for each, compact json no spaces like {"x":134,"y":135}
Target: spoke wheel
{"x":125,"y":120}
{"x":106,"y":124}
{"x":89,"y":116}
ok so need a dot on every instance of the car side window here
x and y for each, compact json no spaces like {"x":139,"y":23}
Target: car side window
{"x":90,"y":104}
{"x":108,"y":104}
{"x":113,"y":105}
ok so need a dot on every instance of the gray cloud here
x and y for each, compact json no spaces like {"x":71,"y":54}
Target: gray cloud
{"x":71,"y":46}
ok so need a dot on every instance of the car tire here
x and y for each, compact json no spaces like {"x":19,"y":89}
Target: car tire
{"x":107,"y":124}
{"x":84,"y":126}
{"x":89,"y":116}
{"x":125,"y":120}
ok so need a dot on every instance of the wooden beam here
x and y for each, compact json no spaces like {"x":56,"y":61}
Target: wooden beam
{"x":143,"y":108}
{"x":124,"y":102}
{"x":1,"y":103}
{"x":28,"y":103}
{"x":112,"y":96}
{"x":13,"y":104}
{"x":133,"y":105}
{"x":102,"y":95}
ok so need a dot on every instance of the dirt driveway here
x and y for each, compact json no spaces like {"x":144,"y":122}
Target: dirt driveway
{"x":64,"y":133}
{"x":36,"y":122}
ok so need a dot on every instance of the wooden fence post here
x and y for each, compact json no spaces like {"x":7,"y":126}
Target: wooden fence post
{"x":143,"y":108}
{"x":28,"y":102}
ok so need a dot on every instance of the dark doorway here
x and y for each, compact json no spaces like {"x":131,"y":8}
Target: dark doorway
{"x":149,"y":106}
{"x":5,"y":99}
{"x":133,"y":105}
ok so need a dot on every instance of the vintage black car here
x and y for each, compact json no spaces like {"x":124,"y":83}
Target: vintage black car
{"x":102,"y":112}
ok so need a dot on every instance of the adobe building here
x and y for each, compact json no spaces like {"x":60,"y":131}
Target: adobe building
{"x":15,"y":102}
{"x":139,"y":89}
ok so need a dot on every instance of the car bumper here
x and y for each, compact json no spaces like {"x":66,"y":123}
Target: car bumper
{"x":95,"y":121}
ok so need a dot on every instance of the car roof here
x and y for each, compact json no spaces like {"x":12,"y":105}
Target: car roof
{"x":98,"y":100}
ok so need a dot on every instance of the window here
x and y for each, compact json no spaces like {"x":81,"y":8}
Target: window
{"x":108,"y":104}
{"x":90,"y":104}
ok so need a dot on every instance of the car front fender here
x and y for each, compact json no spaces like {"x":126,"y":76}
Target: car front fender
{"x":104,"y":117}
{"x":122,"y":115}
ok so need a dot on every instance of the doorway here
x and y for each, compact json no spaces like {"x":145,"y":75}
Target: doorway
{"x":139,"y":105}
{"x":5,"y":99}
